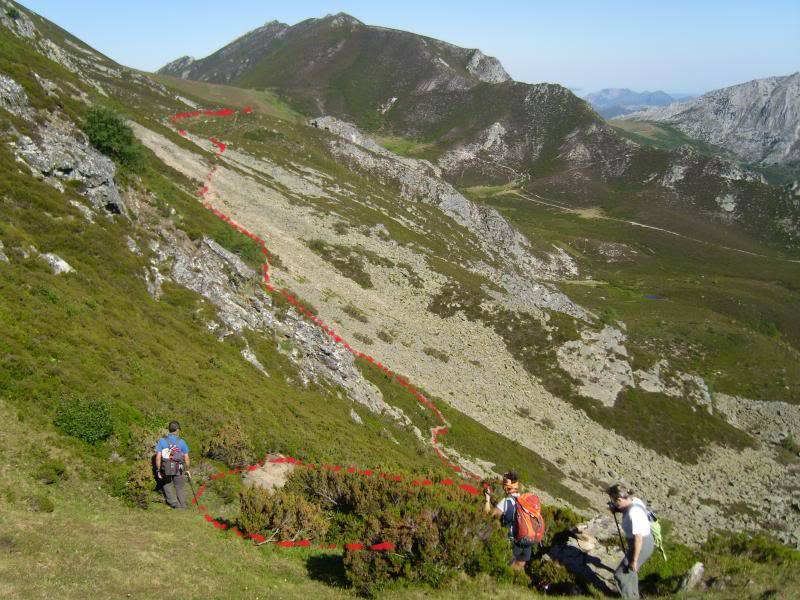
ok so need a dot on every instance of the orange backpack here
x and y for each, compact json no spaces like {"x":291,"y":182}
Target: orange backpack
{"x":529,"y":523}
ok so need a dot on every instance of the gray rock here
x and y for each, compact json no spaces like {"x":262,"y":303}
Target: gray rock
{"x":13,"y":97}
{"x":61,"y":153}
{"x":57,"y":264}
{"x":3,"y":257}
{"x":587,"y":554}
{"x":693,"y":579}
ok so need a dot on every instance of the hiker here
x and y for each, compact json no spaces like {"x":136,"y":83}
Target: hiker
{"x":522,"y":515}
{"x":639,"y":539}
{"x":172,"y":466}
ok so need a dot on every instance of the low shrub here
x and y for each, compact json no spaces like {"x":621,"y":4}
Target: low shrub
{"x":231,"y":445}
{"x":438,"y":531}
{"x":135,"y":484}
{"x":40,"y":503}
{"x":547,"y":574}
{"x":84,"y":418}
{"x":109,"y":133}
{"x":759,"y":548}
{"x":12,"y":13}
{"x":282,"y":515}
{"x":51,"y":471}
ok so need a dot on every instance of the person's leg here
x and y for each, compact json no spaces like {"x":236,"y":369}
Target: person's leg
{"x":520,"y":555}
{"x":627,"y":580}
{"x":170,"y":492}
{"x":181,"y":491}
{"x":648,"y":546}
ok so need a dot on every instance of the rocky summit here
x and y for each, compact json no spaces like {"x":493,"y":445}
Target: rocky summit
{"x":369,"y":273}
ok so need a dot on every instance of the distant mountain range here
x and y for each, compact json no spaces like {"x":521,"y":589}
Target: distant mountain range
{"x":614,"y":102}
{"x":758,"y":121}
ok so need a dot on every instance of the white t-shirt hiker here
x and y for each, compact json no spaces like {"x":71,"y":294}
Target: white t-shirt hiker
{"x":635,"y":520}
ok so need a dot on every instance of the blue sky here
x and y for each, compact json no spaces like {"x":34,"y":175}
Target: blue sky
{"x":677,"y":46}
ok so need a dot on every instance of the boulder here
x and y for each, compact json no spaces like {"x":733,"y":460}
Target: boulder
{"x":270,"y":476}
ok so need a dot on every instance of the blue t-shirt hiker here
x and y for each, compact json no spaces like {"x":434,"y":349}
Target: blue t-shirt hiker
{"x":172,"y":466}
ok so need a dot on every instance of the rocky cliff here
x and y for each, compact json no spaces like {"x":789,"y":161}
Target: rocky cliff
{"x":758,"y":121}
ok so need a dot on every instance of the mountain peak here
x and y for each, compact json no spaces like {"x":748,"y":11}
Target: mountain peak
{"x":341,"y":19}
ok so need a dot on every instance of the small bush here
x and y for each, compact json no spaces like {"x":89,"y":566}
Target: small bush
{"x":386,"y":336}
{"x":231,"y":445}
{"x":40,"y":503}
{"x":282,"y":515}
{"x":547,"y":574}
{"x":437,"y":354}
{"x":86,"y":419}
{"x":12,"y":13}
{"x":135,"y":484}
{"x":356,"y":313}
{"x":51,"y":471}
{"x":109,"y":133}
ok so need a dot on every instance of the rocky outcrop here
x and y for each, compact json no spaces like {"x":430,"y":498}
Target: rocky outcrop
{"x":758,"y":121}
{"x":61,"y":153}
{"x":592,"y":553}
{"x":487,"y":68}
{"x":57,"y":264}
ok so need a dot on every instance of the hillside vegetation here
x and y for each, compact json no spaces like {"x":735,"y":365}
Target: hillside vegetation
{"x":125,"y":303}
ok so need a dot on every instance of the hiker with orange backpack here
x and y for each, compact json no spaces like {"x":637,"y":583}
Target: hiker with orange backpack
{"x":522,"y":514}
{"x":172,"y":466}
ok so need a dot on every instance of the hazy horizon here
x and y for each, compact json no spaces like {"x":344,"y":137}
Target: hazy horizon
{"x":581,"y":45}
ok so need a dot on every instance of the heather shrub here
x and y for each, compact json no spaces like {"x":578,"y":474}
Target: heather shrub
{"x":51,"y":471}
{"x":438,"y":531}
{"x":230,"y":445}
{"x":135,"y":484}
{"x":84,"y":418}
{"x":281,"y":515}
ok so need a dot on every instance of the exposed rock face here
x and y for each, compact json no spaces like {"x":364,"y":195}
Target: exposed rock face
{"x":487,"y":68}
{"x":270,"y":476}
{"x":61,"y":153}
{"x":3,"y":257}
{"x":759,"y":121}
{"x":421,"y":180}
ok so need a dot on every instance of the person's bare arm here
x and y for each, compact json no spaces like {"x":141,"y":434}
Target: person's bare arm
{"x":186,"y":461}
{"x":487,"y":506}
{"x":637,"y":548}
{"x":158,"y":465}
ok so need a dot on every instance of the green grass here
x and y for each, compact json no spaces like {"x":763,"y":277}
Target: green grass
{"x":214,"y":94}
{"x":662,"y":136}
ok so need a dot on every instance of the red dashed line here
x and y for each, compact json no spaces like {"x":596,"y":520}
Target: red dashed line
{"x":436,"y":432}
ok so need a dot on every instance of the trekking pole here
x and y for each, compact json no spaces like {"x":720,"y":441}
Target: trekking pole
{"x":191,"y":485}
{"x":619,"y":531}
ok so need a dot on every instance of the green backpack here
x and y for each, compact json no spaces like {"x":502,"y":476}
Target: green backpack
{"x":655,"y":531}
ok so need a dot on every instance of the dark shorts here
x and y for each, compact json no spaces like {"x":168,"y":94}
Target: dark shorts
{"x":521,"y":553}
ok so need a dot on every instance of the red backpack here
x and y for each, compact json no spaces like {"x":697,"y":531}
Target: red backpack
{"x":528,"y":521}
